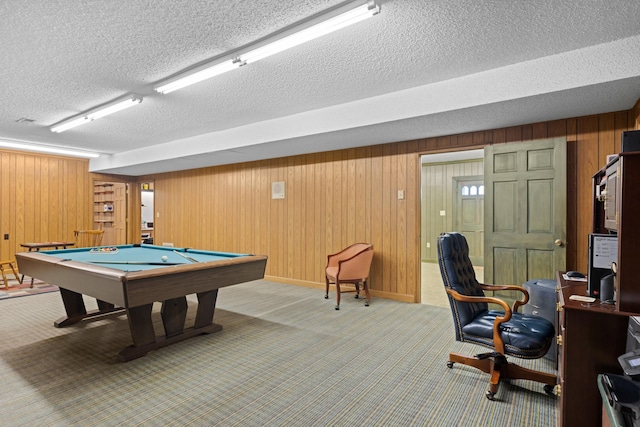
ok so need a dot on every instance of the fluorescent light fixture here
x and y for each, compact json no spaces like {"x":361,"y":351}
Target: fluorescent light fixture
{"x":47,"y":149}
{"x":314,"y":30}
{"x":315,"y":27}
{"x":97,"y":113}
{"x":196,"y":75}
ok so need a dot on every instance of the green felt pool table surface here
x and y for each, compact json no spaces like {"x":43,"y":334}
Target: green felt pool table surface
{"x":137,"y":255}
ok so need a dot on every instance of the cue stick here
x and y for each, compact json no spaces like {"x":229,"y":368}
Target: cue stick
{"x":136,"y":262}
{"x":186,"y":256}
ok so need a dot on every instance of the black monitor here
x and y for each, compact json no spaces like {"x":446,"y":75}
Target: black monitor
{"x":603,"y":250}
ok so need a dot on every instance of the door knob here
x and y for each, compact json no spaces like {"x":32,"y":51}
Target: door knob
{"x":559,"y":242}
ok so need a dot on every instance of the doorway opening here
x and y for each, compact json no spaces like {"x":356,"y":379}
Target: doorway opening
{"x":451,"y":199}
{"x":146,"y":211}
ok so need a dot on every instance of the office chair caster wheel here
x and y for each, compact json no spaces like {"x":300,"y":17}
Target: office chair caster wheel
{"x":449,"y":365}
{"x":326,"y":297}
{"x":490,"y":395}
{"x":337,"y":307}
{"x":548,"y":388}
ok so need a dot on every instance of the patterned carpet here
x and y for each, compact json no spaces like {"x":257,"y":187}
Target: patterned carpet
{"x":285,"y":357}
{"x":17,"y":289}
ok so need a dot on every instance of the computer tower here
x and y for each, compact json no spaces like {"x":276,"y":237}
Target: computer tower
{"x":603,"y":250}
{"x":542,"y":302}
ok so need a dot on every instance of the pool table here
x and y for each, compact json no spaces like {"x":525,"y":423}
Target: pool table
{"x":130,"y":278}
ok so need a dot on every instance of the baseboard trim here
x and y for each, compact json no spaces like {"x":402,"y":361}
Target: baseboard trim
{"x":317,"y":285}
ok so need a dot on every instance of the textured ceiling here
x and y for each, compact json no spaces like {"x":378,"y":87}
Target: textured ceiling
{"x":418,"y":69}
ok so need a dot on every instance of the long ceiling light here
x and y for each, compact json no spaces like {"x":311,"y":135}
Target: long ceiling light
{"x":47,"y":149}
{"x":196,"y":75}
{"x":309,"y":30}
{"x":97,"y":113}
{"x":314,"y":30}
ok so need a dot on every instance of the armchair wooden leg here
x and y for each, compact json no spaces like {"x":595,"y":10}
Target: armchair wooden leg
{"x":366,"y":292}
{"x":337,"y":295}
{"x":326,"y":292}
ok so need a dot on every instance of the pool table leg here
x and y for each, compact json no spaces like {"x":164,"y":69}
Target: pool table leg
{"x":173,"y":315}
{"x":206,"y":307}
{"x":76,"y":310}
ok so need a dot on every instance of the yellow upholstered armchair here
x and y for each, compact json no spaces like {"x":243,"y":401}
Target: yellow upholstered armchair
{"x":350,"y":266}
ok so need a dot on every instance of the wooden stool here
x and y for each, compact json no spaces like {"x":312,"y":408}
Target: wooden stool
{"x":13,"y":269}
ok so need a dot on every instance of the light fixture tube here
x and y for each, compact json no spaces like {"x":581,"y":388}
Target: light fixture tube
{"x":97,"y":113}
{"x":324,"y":27}
{"x":47,"y":149}
{"x":196,"y":75}
{"x":114,"y":107}
{"x":69,"y":124}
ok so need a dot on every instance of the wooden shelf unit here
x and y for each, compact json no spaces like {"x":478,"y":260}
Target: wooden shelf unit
{"x":616,"y":210}
{"x":103,"y":210}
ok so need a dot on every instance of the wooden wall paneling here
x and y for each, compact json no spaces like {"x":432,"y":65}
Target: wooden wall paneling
{"x":282,"y":221}
{"x":43,"y":203}
{"x":539,"y":131}
{"x":37,"y":205}
{"x":464,"y":140}
{"x":513,"y":134}
{"x":499,"y":136}
{"x":343,"y":232}
{"x":556,"y":128}
{"x":332,"y":199}
{"x":367,"y":171}
{"x":634,"y":117}
{"x":352,"y":200}
{"x":7,"y":204}
{"x":262,"y":218}
{"x":412,"y":196}
{"x":393,"y":218}
{"x":587,"y":162}
{"x":293,"y":214}
{"x":30,"y":199}
{"x":386,"y":218}
{"x":308,"y":210}
{"x":360,"y":208}
{"x":606,"y":138}
{"x":377,"y":217}
{"x":327,"y":219}
{"x":620,"y":124}
{"x":338,"y":240}
{"x":401,"y":220}
{"x":18,"y":220}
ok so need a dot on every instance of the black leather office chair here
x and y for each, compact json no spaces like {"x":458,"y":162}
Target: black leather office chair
{"x":506,"y":331}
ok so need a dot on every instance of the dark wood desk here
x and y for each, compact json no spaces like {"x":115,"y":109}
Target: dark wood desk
{"x":46,"y":245}
{"x":43,"y":245}
{"x":590,"y":337}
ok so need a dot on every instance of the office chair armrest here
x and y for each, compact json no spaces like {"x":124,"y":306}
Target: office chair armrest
{"x":517,"y":303}
{"x":498,"y":344}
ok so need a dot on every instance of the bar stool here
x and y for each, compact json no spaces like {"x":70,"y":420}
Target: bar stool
{"x":13,"y":269}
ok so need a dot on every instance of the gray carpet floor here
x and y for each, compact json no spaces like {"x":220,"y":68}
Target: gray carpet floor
{"x":285,"y":357}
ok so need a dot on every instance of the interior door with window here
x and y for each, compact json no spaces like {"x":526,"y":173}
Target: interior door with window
{"x":469,"y":215}
{"x":525,"y":216}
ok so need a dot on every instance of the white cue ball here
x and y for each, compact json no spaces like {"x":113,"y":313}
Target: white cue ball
{"x":164,"y":258}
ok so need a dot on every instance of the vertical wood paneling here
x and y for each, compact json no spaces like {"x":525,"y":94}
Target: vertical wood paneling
{"x":332,"y":199}
{"x":43,"y":197}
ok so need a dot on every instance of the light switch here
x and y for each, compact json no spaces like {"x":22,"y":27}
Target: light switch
{"x":443,"y":213}
{"x":400,"y":194}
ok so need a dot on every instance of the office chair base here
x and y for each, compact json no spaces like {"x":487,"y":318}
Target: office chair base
{"x":499,"y":368}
